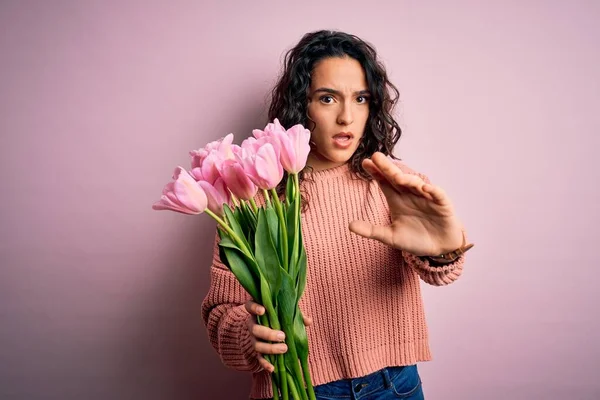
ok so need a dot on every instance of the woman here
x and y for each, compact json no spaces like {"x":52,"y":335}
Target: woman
{"x":372,"y":227}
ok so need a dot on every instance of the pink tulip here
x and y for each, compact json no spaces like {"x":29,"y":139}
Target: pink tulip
{"x":249,"y":145}
{"x":270,"y":130}
{"x":223,"y":146}
{"x":268,"y":167}
{"x":236,"y":180}
{"x":237,"y":150}
{"x":217,"y":195}
{"x":196,"y":173}
{"x":252,"y":145}
{"x":260,"y":159}
{"x":294,"y":148}
{"x":208,"y":169}
{"x":184,"y":195}
{"x":206,"y":161}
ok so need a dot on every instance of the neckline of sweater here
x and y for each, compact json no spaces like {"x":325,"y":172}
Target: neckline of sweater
{"x":340,"y":170}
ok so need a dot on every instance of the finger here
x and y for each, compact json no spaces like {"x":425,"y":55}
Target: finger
{"x":268,"y":334}
{"x":308,"y":321}
{"x":410,"y":182}
{"x":384,"y":183}
{"x":372,"y":169}
{"x":382,"y":233}
{"x":267,"y":348}
{"x":390,"y":190}
{"x":265,"y":364}
{"x":254,"y":308}
{"x":386,"y":172}
{"x":385,"y":166}
{"x":437,"y":194}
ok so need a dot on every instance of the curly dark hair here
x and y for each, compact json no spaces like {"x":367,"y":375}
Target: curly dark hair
{"x":289,"y":97}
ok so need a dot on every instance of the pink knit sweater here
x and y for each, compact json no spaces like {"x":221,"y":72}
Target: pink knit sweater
{"x":363,"y":295}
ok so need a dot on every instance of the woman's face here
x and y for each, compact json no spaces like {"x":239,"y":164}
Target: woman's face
{"x":338,"y":103}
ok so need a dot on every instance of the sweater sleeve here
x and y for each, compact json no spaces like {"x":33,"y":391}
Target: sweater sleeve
{"x":433,"y":275}
{"x":225,"y":318}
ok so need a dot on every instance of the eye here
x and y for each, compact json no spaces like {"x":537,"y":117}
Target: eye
{"x":365,"y":98}
{"x":325,"y":97}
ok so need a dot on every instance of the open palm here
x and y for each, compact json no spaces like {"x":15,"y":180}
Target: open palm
{"x":422,"y":216}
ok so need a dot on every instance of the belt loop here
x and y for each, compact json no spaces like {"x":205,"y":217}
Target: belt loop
{"x":386,"y":378}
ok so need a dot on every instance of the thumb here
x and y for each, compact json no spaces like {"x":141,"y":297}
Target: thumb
{"x":381,"y":233}
{"x":308,"y":321}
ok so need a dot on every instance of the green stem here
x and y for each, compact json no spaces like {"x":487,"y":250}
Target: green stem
{"x":283,"y":377}
{"x":231,"y":233}
{"x":264,"y":321}
{"x":283,"y":229}
{"x":289,"y":340}
{"x":267,"y":197}
{"x":275,"y":387}
{"x":296,"y":216}
{"x":308,"y":380}
{"x":293,"y":388}
{"x":254,"y":207}
{"x":282,"y":373}
{"x":288,"y":199}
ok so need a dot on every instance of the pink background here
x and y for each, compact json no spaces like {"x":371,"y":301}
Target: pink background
{"x":99,"y":101}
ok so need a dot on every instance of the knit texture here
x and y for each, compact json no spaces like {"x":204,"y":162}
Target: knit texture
{"x":364,"y":296}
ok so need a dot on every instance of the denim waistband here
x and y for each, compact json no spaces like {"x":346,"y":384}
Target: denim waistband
{"x":363,"y":386}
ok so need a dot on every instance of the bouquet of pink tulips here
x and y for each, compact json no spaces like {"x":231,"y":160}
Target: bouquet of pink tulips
{"x":262,"y":246}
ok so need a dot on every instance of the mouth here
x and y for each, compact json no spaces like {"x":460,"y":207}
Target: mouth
{"x":343,"y":139}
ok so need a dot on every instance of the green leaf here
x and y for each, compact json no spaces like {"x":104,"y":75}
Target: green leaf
{"x":292,"y":243}
{"x":223,"y":256}
{"x":287,"y":300}
{"x":273,"y":222}
{"x":240,"y":216}
{"x":266,"y":294}
{"x":249,"y":214}
{"x":290,"y":189}
{"x":295,"y":382}
{"x":287,"y":312}
{"x":241,"y":270}
{"x":226,"y":241}
{"x":234,"y":224}
{"x":301,"y":279}
{"x":248,"y":224}
{"x":251,"y":236}
{"x":300,"y":335}
{"x":266,"y":255}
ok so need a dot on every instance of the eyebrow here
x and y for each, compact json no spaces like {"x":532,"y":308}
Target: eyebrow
{"x":336,"y":92}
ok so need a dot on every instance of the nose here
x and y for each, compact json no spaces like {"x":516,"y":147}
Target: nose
{"x":345,"y":116}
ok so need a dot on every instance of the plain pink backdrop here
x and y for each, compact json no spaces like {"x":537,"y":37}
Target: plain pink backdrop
{"x":99,"y":100}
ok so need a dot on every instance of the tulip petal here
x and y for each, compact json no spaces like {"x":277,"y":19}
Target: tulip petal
{"x":196,"y":173}
{"x":223,"y":191}
{"x":216,"y":197}
{"x":210,"y":170}
{"x":268,"y":167}
{"x":257,"y":133}
{"x":236,"y":180}
{"x":295,"y":148}
{"x":187,"y":191}
{"x":166,"y":204}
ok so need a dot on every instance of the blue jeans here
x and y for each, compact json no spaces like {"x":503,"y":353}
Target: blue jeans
{"x":386,"y":384}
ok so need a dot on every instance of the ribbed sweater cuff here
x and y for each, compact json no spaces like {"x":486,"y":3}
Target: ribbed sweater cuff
{"x":236,"y":343}
{"x":436,"y":275}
